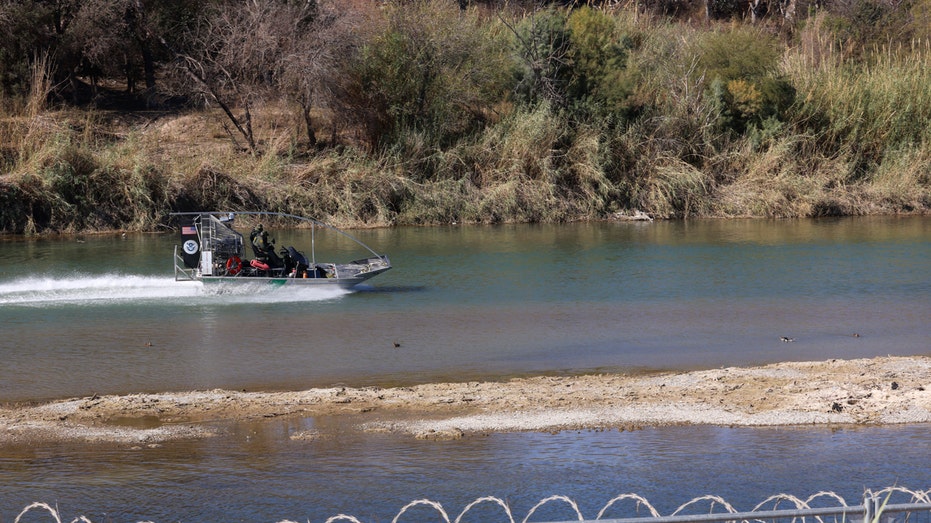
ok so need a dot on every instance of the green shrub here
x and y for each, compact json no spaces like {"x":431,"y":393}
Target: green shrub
{"x":574,"y":60}
{"x":25,"y":205}
{"x":434,"y":70}
{"x":541,"y":45}
{"x":741,"y":67}
{"x":600,"y":83}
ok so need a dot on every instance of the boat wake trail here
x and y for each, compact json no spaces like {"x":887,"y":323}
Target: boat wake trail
{"x":84,"y":289}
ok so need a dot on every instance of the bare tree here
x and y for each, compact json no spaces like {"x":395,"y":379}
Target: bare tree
{"x":260,"y":50}
{"x":207,"y":58}
{"x":311,"y":64}
{"x":98,"y":36}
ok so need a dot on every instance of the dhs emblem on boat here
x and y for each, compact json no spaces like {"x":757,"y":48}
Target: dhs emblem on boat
{"x":190,"y":247}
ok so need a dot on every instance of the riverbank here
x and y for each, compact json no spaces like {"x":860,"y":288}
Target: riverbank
{"x":886,"y":390}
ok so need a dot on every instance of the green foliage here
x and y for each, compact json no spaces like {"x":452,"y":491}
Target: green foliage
{"x":433,"y":70}
{"x":75,"y":189}
{"x":92,"y":195}
{"x":574,"y":60}
{"x":598,"y":58}
{"x":70,"y":176}
{"x":744,"y":83}
{"x":557,"y":115}
{"x":24,"y":202}
{"x":542,"y":43}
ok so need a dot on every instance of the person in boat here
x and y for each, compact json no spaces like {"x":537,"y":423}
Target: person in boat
{"x":256,"y":231}
{"x":295,"y":263}
{"x":264,"y":248}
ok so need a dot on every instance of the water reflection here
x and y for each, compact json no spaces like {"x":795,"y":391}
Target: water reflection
{"x":372,"y":476}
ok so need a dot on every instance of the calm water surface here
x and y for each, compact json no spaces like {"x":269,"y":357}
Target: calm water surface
{"x":104,"y":315}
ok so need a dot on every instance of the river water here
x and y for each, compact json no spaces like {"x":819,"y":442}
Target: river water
{"x":104,"y":315}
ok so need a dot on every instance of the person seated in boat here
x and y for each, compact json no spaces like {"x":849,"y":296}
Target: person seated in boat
{"x":264,"y":248}
{"x":255,"y":238}
{"x":271,"y":258}
{"x":289,"y":264}
{"x":295,"y":263}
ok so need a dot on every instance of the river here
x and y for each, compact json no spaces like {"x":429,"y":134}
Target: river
{"x":103,"y":314}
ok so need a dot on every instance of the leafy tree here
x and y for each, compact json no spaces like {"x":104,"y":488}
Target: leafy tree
{"x":32,"y":28}
{"x":86,"y":39}
{"x":433,"y":70}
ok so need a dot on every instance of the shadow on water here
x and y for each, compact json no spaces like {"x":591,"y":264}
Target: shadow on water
{"x":388,"y":289}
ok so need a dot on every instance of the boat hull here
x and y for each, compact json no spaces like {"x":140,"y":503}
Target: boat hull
{"x":278,"y":281}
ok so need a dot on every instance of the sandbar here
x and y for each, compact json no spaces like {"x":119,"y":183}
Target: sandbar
{"x":874,"y":391}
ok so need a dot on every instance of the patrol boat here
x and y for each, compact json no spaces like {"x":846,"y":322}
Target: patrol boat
{"x":213,"y":251}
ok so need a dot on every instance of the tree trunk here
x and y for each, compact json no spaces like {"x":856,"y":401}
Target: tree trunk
{"x":141,"y":31}
{"x":311,"y":135}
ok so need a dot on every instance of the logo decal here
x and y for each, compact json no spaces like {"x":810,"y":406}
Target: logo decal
{"x":190,"y":246}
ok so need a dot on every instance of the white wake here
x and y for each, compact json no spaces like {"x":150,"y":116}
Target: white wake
{"x":88,"y":289}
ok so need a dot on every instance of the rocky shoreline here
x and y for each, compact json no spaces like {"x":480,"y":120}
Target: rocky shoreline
{"x":884,"y":390}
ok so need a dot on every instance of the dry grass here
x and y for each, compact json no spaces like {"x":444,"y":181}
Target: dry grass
{"x":857,"y":141}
